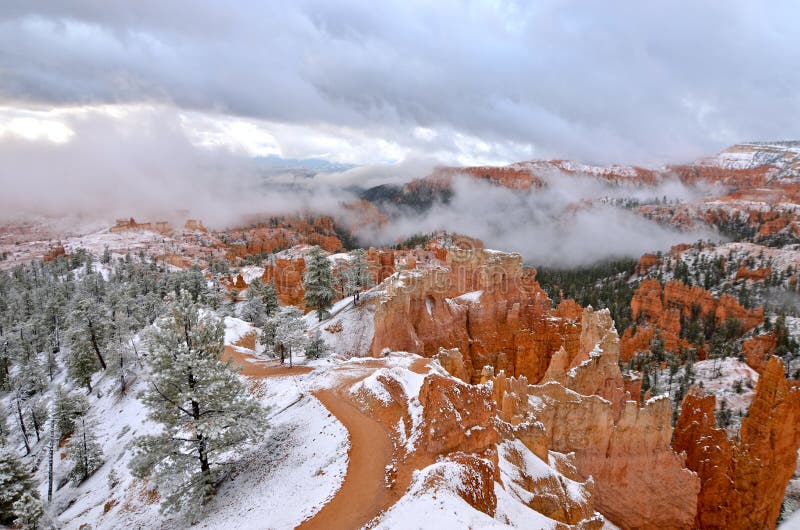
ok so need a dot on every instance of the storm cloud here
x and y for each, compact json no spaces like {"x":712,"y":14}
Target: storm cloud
{"x":489,"y":81}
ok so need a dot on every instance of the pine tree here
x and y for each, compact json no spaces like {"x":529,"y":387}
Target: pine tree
{"x":28,"y":510}
{"x":88,"y":333}
{"x":67,"y":408}
{"x":285,"y":332}
{"x":357,"y":274}
{"x":83,"y":450}
{"x":204,"y":408}
{"x":318,"y":282}
{"x":15,"y":481}
{"x":317,"y":347}
{"x":254,"y":311}
{"x":266,"y":293}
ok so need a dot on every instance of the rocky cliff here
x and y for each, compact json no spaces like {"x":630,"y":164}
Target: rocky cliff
{"x":482,"y":302}
{"x":743,"y":482}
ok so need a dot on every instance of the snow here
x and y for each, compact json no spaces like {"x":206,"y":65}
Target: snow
{"x":437,"y":507}
{"x":236,"y":328}
{"x":792,"y":523}
{"x":119,"y":421}
{"x":349,"y":329}
{"x":303,"y":459}
{"x":410,"y":382}
{"x":289,"y":477}
{"x":432,"y":500}
{"x":472,"y":296}
{"x":252,"y":272}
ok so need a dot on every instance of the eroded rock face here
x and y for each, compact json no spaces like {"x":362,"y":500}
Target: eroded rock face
{"x":287,"y":277}
{"x":662,"y":308}
{"x":456,"y":417}
{"x":758,"y":350}
{"x":641,"y":482}
{"x":381,"y":262}
{"x":559,"y":496}
{"x":486,"y":305}
{"x":585,"y":409}
{"x":743,"y":484}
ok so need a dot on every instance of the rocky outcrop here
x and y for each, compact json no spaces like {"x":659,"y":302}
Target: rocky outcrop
{"x":641,"y":482}
{"x":483,"y":303}
{"x":194,"y":225}
{"x":381,"y":263}
{"x":758,"y":350}
{"x":452,"y":361}
{"x":287,"y":277}
{"x":456,"y":417}
{"x":585,"y":409}
{"x":560,"y":495}
{"x":54,"y":253}
{"x":130,"y":224}
{"x":752,"y":274}
{"x":463,"y":424}
{"x":660,"y":311}
{"x":646,"y":262}
{"x":743,"y":483}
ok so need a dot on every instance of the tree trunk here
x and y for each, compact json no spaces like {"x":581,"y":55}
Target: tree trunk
{"x":85,"y":455}
{"x":57,"y":336}
{"x":136,"y":353}
{"x":96,"y":347}
{"x":282,"y":348}
{"x":50,"y":459}
{"x":121,"y":372}
{"x":35,"y":424}
{"x":202,"y":450}
{"x":24,"y":430}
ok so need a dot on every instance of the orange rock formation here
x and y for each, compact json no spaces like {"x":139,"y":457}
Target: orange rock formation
{"x":743,"y":483}
{"x":287,"y":277}
{"x":660,"y":309}
{"x":584,"y":409}
{"x":486,"y":305}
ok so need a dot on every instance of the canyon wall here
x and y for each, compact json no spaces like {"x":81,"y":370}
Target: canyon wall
{"x":743,"y":482}
{"x":482,"y":302}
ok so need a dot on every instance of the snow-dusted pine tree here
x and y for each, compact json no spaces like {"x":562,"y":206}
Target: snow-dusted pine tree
{"x":357,"y":274}
{"x":15,"y":482}
{"x":316,"y":347}
{"x":88,"y":332}
{"x":83,"y":450}
{"x":318,"y":282}
{"x":262,"y":301}
{"x":285,"y":333}
{"x":67,"y":408}
{"x":28,"y":510}
{"x":202,"y":405}
{"x":254,"y":310}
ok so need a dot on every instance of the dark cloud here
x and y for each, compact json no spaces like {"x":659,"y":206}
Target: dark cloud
{"x":597,"y":81}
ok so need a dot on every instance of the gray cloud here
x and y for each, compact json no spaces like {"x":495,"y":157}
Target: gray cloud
{"x":561,"y":224}
{"x":144,"y":166}
{"x":596,"y":81}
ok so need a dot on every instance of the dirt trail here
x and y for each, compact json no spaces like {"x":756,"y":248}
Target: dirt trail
{"x":363,"y":494}
{"x":253,"y":367}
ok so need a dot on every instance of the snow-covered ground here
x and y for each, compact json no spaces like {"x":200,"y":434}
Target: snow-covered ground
{"x":278,"y":482}
{"x":730,"y":380}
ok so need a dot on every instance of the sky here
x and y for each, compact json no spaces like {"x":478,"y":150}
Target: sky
{"x":366,"y":83}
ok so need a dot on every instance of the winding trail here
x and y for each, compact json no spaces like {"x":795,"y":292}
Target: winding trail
{"x":364,"y":493}
{"x":260,"y":368}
